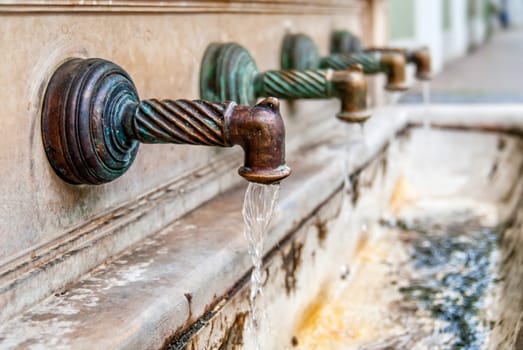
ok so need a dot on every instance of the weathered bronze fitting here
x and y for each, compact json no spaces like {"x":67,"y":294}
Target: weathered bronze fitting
{"x":402,"y":51}
{"x":260,"y":131}
{"x":421,"y":58}
{"x":299,"y":50}
{"x":394,"y":65}
{"x":353,"y":85}
{"x":344,"y":42}
{"x":93,"y":122}
{"x":229,"y":72}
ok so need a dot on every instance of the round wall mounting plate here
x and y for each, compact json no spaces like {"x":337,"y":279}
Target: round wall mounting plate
{"x":84,"y":107}
{"x":228,"y":73}
{"x":299,"y":52}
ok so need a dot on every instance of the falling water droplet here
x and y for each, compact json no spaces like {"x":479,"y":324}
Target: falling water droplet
{"x":355,"y":145}
{"x":344,"y":272}
{"x":427,"y":166}
{"x":347,"y":185}
{"x":393,"y":97}
{"x":362,"y":131}
{"x":426,"y":103}
{"x":258,"y":207}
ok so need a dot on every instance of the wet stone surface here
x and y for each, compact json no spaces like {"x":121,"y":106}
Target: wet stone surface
{"x":451,"y":268}
{"x":430,"y":283}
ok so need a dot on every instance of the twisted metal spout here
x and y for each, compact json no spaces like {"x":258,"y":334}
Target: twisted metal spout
{"x":229,"y":72}
{"x":299,"y":51}
{"x":422,"y":59}
{"x":259,"y":130}
{"x":392,"y":64}
{"x":349,"y":86}
{"x":344,"y":42}
{"x":93,"y":122}
{"x":419,"y":57}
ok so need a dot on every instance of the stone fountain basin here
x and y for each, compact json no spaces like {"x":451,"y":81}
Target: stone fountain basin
{"x":341,"y":280}
{"x":335,"y":260}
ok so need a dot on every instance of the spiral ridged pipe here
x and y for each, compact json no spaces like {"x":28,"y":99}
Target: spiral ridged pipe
{"x":93,"y":122}
{"x":296,"y":84}
{"x":181,"y":121}
{"x":371,"y":63}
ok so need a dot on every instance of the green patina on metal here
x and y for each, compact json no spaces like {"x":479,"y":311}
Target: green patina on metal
{"x":370,"y":62}
{"x":296,"y":84}
{"x":343,"y":41}
{"x":454,"y":263}
{"x":93,"y":122}
{"x":229,"y":72}
{"x":79,"y":150}
{"x":299,"y":51}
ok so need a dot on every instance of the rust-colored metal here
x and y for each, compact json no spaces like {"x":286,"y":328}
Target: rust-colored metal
{"x":261,"y":133}
{"x":300,"y":52}
{"x":349,"y":85}
{"x":353,"y":91}
{"x":419,"y":57}
{"x":229,"y":72}
{"x":396,"y":71}
{"x":344,"y":42}
{"x":392,"y":64}
{"x":93,"y":122}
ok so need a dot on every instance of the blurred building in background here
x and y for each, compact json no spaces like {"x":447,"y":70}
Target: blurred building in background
{"x":450,"y":28}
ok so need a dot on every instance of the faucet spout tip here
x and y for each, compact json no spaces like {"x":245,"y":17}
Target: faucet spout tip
{"x":260,"y":131}
{"x":271,"y":103}
{"x":397,"y":87}
{"x":266,"y":177}
{"x":355,"y":116}
{"x":352,"y":88}
{"x":424,"y":76}
{"x":356,"y":68}
{"x":275,"y":170}
{"x":422,"y":59}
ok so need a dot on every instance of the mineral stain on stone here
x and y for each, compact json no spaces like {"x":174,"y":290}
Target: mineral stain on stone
{"x":233,"y":338}
{"x":454,"y":267}
{"x":291,"y":262}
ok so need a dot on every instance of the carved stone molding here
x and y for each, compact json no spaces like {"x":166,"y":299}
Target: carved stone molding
{"x":315,"y":7}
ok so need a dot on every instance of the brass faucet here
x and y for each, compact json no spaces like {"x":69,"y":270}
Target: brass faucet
{"x":93,"y":122}
{"x":419,"y":57}
{"x":300,"y":52}
{"x":345,"y":42}
{"x":228,"y":72}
